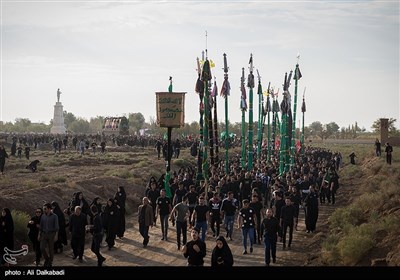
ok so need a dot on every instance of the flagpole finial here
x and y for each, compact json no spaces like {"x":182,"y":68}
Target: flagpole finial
{"x":170,"y":84}
{"x":225,"y":64}
{"x":206,"y":45}
{"x":251,"y":63}
{"x":298,"y":57}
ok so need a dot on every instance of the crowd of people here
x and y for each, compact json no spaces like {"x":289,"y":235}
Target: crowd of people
{"x":264,"y":205}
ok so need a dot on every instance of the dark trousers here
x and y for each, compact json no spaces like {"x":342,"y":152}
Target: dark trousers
{"x":311,"y":219}
{"x":36,"y":247}
{"x":332,"y":196}
{"x":121,"y":225}
{"x":270,"y":249}
{"x":47,"y":240}
{"x":144,"y":232}
{"x":2,"y":163}
{"x":58,"y":244}
{"x":389,"y":159}
{"x":285,"y":226}
{"x":181,"y":228}
{"x":96,"y":241}
{"x":215,"y":220}
{"x":164,"y":225}
{"x":110,"y":238}
{"x":78,"y":245}
{"x":257,"y":231}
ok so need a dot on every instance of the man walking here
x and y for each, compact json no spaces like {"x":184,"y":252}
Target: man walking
{"x":48,"y":234}
{"x":269,"y":229}
{"x":389,"y":151}
{"x":146,"y":219}
{"x":97,"y":231}
{"x":77,"y":227}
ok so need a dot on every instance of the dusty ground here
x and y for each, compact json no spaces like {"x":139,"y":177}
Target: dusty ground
{"x":59,"y":176}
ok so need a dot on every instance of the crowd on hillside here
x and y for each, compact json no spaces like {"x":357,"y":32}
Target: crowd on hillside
{"x":263,"y":204}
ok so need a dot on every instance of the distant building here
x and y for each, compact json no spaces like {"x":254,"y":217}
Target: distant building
{"x":116,"y":126}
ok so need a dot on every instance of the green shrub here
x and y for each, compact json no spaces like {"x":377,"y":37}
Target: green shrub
{"x":354,"y":246}
{"x":30,"y":184}
{"x":330,"y":250}
{"x":349,"y":215}
{"x":44,"y":179}
{"x":369,"y":201}
{"x":122,"y":173}
{"x":60,"y":180}
{"x":21,"y":220}
{"x":142,"y":163}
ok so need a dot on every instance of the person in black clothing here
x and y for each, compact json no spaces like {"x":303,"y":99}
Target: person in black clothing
{"x":228,"y":209}
{"x":288,"y":219}
{"x":246,"y":221}
{"x":79,"y":200}
{"x":97,"y":231}
{"x":296,"y":200}
{"x":377,"y":147}
{"x":352,"y":158}
{"x":62,"y":234}
{"x":333,"y":184}
{"x":152,"y":194}
{"x":3,"y":156}
{"x":33,"y":165}
{"x":311,"y":207}
{"x":258,"y":209}
{"x":111,"y":222}
{"x":158,"y":147}
{"x":120,"y":199}
{"x":195,"y":250}
{"x":177,"y":147}
{"x":77,"y":227}
{"x":13,"y":147}
{"x":277,"y":209}
{"x":96,"y":202}
{"x":221,"y":255}
{"x":163,"y":209}
{"x":215,"y":213}
{"x":388,"y":151}
{"x":34,"y":225}
{"x":103,"y":146}
{"x":269,"y":229}
{"x":6,"y":232}
{"x":27,"y":151}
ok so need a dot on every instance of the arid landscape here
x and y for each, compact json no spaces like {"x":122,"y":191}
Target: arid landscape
{"x":60,"y":175}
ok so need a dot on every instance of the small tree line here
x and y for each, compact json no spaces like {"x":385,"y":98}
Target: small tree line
{"x":136,"y":122}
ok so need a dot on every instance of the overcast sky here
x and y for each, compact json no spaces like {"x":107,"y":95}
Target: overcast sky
{"x":110,"y":57}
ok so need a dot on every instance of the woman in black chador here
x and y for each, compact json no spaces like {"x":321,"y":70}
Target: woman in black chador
{"x":6,"y":232}
{"x":119,"y":199}
{"x":79,"y":200}
{"x":3,"y":156}
{"x":111,"y":214}
{"x":33,"y":234}
{"x":221,"y":255}
{"x":311,"y":213}
{"x":62,"y":233}
{"x":96,"y":202}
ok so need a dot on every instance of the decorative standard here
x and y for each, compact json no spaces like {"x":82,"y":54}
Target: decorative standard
{"x":170,"y":113}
